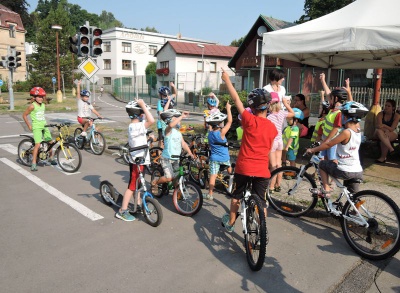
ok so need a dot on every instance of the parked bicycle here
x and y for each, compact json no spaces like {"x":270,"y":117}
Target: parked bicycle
{"x":187,"y":196}
{"x":370,"y":220}
{"x":255,"y":230}
{"x":95,"y":138}
{"x":68,"y":156}
{"x":150,"y":207}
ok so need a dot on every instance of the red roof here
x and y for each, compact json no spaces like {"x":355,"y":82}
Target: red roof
{"x":7,"y":16}
{"x":184,"y":48}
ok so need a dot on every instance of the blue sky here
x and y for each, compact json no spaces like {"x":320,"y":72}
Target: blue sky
{"x":221,"y":21}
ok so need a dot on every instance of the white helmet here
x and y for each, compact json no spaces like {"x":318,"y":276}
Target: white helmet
{"x":216,"y":118}
{"x":133,"y":109}
{"x":168,"y":114}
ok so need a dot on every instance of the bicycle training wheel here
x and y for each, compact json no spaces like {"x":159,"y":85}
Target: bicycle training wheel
{"x":381,"y":239}
{"x":161,"y":189}
{"x":69,"y":158}
{"x":97,"y":143}
{"x":292,"y":198}
{"x":256,"y":238}
{"x":107,"y":192}
{"x":189,"y":200}
{"x":152,"y":211}
{"x":25,"y":151}
{"x":78,"y":139}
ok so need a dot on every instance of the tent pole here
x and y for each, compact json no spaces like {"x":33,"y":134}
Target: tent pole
{"x":260,"y":82}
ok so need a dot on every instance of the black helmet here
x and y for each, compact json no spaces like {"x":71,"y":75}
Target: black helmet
{"x":258,"y":97}
{"x":341,"y":94}
{"x":354,"y":111}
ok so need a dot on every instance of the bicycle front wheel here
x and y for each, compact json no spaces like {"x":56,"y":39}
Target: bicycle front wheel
{"x":155,"y":156}
{"x":152,"y":211}
{"x":381,"y":239}
{"x":97,"y":143}
{"x":161,"y":189}
{"x":25,"y":151}
{"x":69,"y":158}
{"x":256,"y":237}
{"x":291,"y":195}
{"x":189,"y":200}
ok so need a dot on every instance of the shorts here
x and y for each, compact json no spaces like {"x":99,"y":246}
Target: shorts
{"x":259,"y":186}
{"x":41,"y":134}
{"x":133,"y":170}
{"x":81,"y":120}
{"x":330,"y":153}
{"x":277,"y":145}
{"x":290,"y":155}
{"x":331,"y":168}
{"x":214,"y":166}
{"x":170,"y":167}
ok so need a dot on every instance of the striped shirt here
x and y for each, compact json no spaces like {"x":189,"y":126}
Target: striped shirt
{"x":278,"y":118}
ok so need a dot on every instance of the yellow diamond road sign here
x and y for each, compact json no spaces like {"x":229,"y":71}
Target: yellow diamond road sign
{"x":88,"y":67}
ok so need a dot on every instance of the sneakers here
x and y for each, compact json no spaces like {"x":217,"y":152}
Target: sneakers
{"x":125,"y":216}
{"x":208,"y":196}
{"x":225,"y":222}
{"x":34,"y":167}
{"x":330,"y":205}
{"x":277,"y":189}
{"x":271,"y":191}
{"x":51,"y":162}
{"x":83,"y":133}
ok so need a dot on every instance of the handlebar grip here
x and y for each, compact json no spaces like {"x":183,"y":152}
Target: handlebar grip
{"x":114,"y":147}
{"x":145,"y":146}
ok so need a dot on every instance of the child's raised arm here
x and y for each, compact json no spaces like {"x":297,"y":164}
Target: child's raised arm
{"x":229,"y":122}
{"x":232,"y":92}
{"x":149,"y":116}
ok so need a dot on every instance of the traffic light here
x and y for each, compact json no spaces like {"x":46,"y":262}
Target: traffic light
{"x":11,"y":61}
{"x":74,"y":45}
{"x":3,"y":62}
{"x":96,"y":42}
{"x":17,"y":64}
{"x":84,"y":43}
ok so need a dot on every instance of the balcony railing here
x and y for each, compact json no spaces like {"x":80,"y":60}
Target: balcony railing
{"x":162,"y":71}
{"x":255,"y":61}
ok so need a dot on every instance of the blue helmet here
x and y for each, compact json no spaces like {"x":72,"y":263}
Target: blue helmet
{"x":353,"y":111}
{"x":212,"y":102}
{"x":164,"y":90}
{"x":298,"y":114}
{"x":85,"y":93}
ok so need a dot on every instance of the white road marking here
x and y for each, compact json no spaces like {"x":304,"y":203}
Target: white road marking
{"x":80,"y":208}
{"x":9,"y":148}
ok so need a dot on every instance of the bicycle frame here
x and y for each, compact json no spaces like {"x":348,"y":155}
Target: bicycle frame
{"x":243,"y":210}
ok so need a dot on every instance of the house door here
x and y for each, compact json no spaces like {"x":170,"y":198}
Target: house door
{"x":248,"y":83}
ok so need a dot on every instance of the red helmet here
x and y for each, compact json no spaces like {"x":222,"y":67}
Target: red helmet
{"x":37,"y":91}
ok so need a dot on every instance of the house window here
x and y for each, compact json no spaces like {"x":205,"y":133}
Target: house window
{"x":107,"y":64}
{"x":107,"y":80}
{"x":164,"y":64}
{"x":213,"y":66}
{"x":126,"y":47}
{"x":107,"y":46}
{"x":199,"y":66}
{"x":126,"y":65}
{"x":12,"y":31}
{"x":259,"y":47}
{"x":152,"y":49}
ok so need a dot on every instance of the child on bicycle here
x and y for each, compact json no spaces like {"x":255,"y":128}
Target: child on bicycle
{"x":348,"y":143}
{"x":212,"y":107}
{"x":137,"y":137}
{"x":258,"y":136}
{"x":36,"y":110}
{"x":165,"y":102}
{"x":291,"y":136}
{"x":173,"y":145}
{"x":85,"y":108}
{"x":217,"y":141}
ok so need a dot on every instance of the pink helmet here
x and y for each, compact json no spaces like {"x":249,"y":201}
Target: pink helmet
{"x":274,"y":97}
{"x":248,"y":110}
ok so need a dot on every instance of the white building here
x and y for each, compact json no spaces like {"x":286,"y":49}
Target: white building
{"x":124,"y":49}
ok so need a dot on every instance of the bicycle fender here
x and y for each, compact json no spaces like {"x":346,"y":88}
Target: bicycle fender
{"x":26,"y":135}
{"x":106,"y":182}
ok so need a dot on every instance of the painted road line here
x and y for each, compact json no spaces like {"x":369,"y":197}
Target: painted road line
{"x":15,"y":135}
{"x":80,"y":208}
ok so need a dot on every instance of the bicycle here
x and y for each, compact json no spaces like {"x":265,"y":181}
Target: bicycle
{"x":254,"y":226}
{"x":369,"y":219}
{"x":94,"y":138}
{"x":187,"y":196}
{"x":150,"y":207}
{"x":68,"y":156}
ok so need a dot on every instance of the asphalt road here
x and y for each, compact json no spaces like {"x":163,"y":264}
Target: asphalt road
{"x":58,"y":235}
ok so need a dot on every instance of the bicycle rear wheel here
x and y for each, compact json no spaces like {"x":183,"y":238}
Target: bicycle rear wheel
{"x":203,"y":178}
{"x":78,"y":139}
{"x":25,"y":151}
{"x":381,"y":239}
{"x":107,"y":192}
{"x":161,"y":189}
{"x":97,"y":143}
{"x":256,"y":238}
{"x":294,"y":197}
{"x":189,"y":200}
{"x":152,"y":211}
{"x":69,"y":158}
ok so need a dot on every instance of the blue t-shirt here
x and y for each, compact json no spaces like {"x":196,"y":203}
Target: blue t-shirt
{"x":159,"y":110}
{"x":219,"y":153}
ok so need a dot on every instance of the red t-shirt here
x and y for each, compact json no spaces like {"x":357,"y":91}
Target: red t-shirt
{"x":258,"y":136}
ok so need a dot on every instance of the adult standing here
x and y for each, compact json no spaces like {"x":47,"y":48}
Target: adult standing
{"x":300,"y":103}
{"x":276,"y":78}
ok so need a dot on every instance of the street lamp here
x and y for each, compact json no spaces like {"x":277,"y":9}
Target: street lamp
{"x":202,"y":67}
{"x":59,"y":93}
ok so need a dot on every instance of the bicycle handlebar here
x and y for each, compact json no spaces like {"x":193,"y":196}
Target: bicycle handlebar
{"x":118,"y":147}
{"x":58,"y":125}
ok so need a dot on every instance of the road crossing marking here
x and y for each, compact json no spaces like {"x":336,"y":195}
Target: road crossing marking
{"x":80,"y":208}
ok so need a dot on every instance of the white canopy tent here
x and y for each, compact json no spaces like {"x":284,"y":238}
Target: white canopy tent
{"x":364,"y":34}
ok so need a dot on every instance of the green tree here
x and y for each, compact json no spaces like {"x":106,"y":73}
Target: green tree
{"x":151,"y":77}
{"x":79,"y":16}
{"x":237,"y":43}
{"x":317,"y":8}
{"x":107,"y":20}
{"x":150,"y":29}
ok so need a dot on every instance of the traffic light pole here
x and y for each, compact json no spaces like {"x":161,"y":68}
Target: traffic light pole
{"x":10,"y":88}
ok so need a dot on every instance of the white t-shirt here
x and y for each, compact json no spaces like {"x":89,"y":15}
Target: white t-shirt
{"x":137,"y":137}
{"x":84,"y":108}
{"x":281,"y":93}
{"x":348,"y":157}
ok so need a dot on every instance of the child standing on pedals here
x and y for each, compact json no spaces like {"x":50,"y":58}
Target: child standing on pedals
{"x":252,"y":162}
{"x":136,"y":137}
{"x":290,"y":137}
{"x":217,"y":142}
{"x":348,"y":143}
